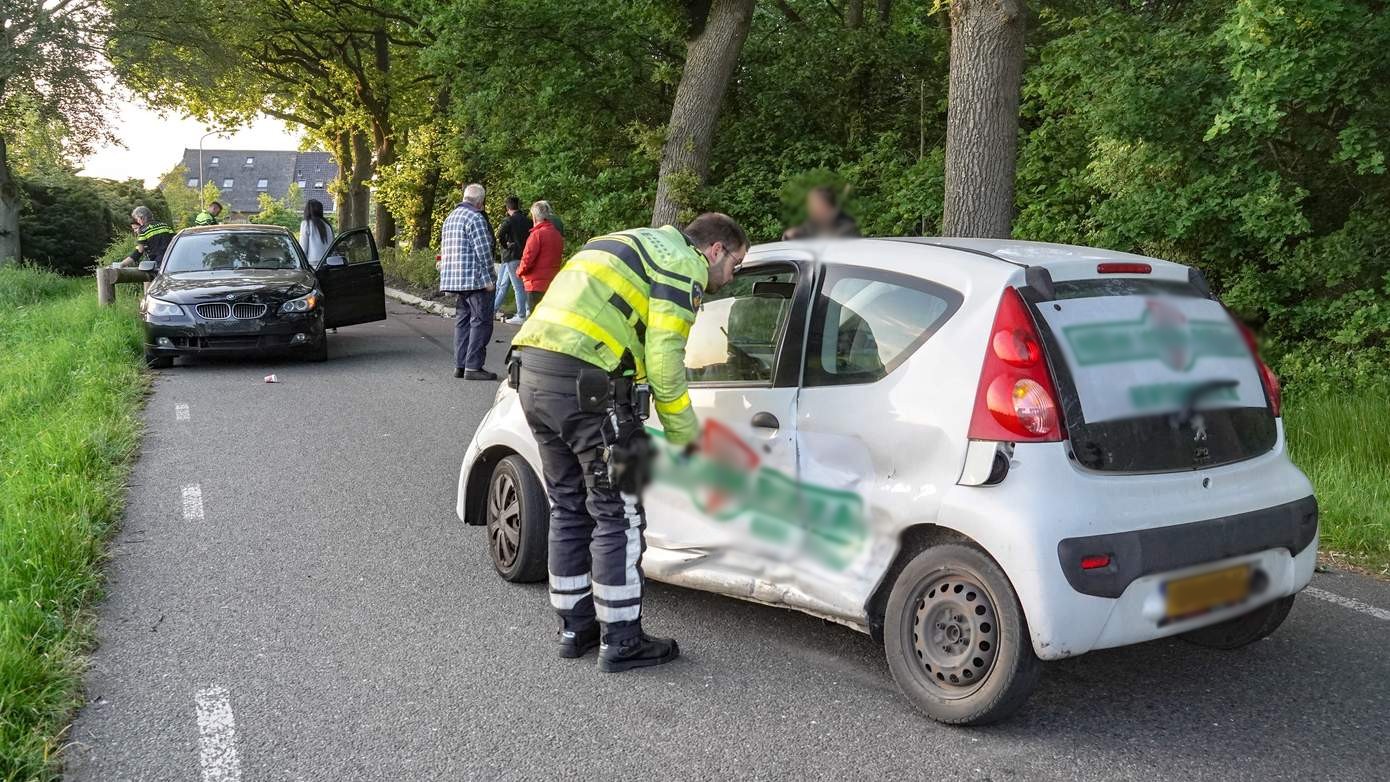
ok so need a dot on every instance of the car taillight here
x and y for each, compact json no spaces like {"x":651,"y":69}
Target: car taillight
{"x":1016,"y":401}
{"x":1267,"y":377}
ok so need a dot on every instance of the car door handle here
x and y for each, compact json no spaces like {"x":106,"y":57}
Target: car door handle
{"x":766,"y":421}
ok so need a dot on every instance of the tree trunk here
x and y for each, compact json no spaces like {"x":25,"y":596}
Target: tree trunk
{"x":424,"y":217}
{"x":342,"y":187}
{"x":885,"y":12}
{"x":385,"y":230}
{"x":854,"y":14}
{"x":9,"y":210}
{"x":982,"y":116}
{"x":361,"y":175}
{"x":709,"y":64}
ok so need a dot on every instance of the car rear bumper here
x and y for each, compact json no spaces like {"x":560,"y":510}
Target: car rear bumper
{"x":1047,"y":514}
{"x":192,"y":336}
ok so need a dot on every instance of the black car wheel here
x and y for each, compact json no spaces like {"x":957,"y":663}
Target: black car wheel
{"x":1243,"y":630}
{"x":956,"y":639}
{"x":158,"y":362}
{"x":319,"y":353}
{"x":518,"y":521}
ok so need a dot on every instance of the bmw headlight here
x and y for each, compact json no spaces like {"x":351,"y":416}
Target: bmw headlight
{"x":301,"y":304}
{"x":159,"y":308}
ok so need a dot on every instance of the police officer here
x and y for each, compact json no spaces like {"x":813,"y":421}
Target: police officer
{"x":151,"y":238}
{"x":613,"y":326}
{"x":209,"y":216}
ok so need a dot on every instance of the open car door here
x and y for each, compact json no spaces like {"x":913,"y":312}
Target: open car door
{"x":350,"y":276}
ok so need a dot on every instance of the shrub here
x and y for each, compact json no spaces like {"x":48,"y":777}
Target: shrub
{"x":65,"y":223}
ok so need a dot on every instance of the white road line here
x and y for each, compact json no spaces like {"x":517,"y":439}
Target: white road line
{"x":1347,"y":602}
{"x":180,"y":412}
{"x":217,"y":736}
{"x":192,"y":502}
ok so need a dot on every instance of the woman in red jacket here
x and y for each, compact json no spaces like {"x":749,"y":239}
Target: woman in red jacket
{"x":543,"y":256}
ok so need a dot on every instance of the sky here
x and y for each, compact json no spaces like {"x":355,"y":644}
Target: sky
{"x":154,"y":144}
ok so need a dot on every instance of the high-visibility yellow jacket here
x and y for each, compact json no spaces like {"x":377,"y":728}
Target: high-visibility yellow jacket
{"x":626,"y":301}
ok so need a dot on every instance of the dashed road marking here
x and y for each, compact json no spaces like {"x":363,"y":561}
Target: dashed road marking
{"x":192,"y":502}
{"x":217,"y":736}
{"x":1347,"y":602}
{"x":180,"y":412}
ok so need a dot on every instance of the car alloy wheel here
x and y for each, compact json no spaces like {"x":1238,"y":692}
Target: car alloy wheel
{"x":954,"y":634}
{"x":504,"y":520}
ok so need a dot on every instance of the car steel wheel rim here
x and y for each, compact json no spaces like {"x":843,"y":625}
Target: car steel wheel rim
{"x":504,"y":520}
{"x":955,"y":634}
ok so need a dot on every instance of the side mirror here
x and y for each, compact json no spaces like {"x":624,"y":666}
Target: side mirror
{"x":335,"y":260}
{"x":147,"y":266}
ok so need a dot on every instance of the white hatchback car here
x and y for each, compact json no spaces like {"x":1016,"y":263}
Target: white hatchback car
{"x":984,"y":453}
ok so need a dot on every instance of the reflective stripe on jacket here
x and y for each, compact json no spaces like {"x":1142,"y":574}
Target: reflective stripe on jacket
{"x":626,"y":302}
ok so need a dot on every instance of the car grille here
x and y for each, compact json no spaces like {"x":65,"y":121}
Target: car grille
{"x":240,"y":311}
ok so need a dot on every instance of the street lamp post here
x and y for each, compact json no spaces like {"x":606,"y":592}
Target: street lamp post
{"x":202,"y":172}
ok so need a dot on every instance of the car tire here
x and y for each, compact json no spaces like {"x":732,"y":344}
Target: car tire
{"x":1243,"y":630}
{"x":319,"y":353}
{"x":956,"y":639}
{"x":518,"y":521}
{"x":158,"y":362}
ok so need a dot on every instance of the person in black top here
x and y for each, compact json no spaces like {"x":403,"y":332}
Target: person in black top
{"x":511,"y":240}
{"x":824,"y":218}
{"x":151,"y":239}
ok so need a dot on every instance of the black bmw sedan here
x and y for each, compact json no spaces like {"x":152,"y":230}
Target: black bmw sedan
{"x":249,"y":289}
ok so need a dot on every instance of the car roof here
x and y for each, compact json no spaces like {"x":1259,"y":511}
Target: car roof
{"x":1015,"y":252}
{"x":250,"y":228}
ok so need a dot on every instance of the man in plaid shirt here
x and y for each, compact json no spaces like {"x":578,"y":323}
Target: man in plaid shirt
{"x":465,"y":269}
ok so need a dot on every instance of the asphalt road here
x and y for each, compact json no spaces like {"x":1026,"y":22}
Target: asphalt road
{"x":292,"y":598}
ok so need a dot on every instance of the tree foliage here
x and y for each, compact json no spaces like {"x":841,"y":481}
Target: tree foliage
{"x":1246,"y":137}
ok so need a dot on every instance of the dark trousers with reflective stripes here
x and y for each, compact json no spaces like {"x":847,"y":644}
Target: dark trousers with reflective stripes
{"x":596,"y":532}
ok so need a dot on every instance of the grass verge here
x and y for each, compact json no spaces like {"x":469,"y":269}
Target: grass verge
{"x":1342,"y":442}
{"x":71,"y":389}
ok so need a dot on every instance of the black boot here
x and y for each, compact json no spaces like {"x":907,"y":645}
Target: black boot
{"x":577,"y":643}
{"x":635,"y":651}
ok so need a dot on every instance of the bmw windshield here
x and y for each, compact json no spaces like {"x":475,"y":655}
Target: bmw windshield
{"x":201,"y":252}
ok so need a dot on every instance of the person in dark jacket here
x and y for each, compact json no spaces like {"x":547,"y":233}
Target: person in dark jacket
{"x":824,"y":218}
{"x":511,"y":240}
{"x":151,"y":239}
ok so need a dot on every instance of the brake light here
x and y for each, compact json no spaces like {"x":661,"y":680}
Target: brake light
{"x":1123,"y":268}
{"x":1095,"y":561}
{"x":1267,"y":377}
{"x":1015,"y":401}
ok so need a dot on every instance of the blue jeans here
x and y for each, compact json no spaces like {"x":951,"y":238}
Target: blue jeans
{"x":472,"y":328}
{"x":507,"y":277}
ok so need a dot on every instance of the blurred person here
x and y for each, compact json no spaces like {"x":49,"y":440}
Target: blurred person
{"x":511,"y":240}
{"x":614,"y":324}
{"x":209,"y":216}
{"x":824,"y":218}
{"x":543,"y":255}
{"x":465,"y":270}
{"x":315,"y":234}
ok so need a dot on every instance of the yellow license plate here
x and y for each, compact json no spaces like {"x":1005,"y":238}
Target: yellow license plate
{"x":1194,"y":595}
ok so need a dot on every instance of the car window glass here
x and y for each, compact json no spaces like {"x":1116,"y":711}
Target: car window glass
{"x":196,"y":252}
{"x":356,"y":247}
{"x":865,"y":325}
{"x":738,"y":329}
